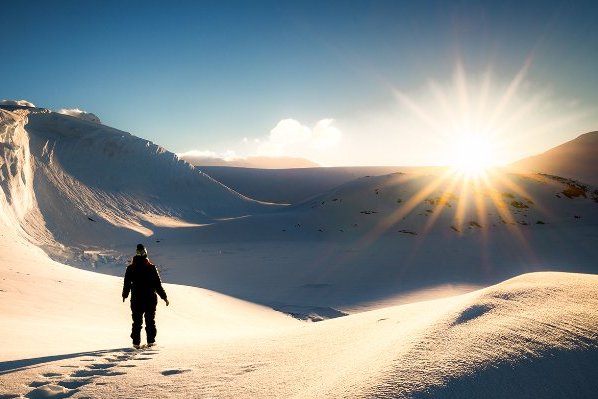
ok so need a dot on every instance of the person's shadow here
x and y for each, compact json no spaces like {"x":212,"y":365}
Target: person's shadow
{"x":12,"y":366}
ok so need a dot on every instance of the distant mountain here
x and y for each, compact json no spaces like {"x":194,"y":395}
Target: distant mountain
{"x":251,"y":162}
{"x":576,"y":159}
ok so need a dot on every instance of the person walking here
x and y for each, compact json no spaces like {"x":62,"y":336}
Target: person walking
{"x":143,"y":281}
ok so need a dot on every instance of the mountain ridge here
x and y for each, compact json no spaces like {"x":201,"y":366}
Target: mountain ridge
{"x":576,"y":159}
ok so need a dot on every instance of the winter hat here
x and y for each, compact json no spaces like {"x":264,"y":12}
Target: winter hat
{"x":141,"y":251}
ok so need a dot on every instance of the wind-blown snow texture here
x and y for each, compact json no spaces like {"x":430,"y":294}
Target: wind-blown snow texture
{"x":86,"y":193}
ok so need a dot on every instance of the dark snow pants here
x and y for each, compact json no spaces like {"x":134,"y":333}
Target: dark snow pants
{"x":139,"y":309}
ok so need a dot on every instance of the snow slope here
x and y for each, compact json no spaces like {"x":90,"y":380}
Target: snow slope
{"x":296,"y":185}
{"x":48,"y":308}
{"x":531,"y":336}
{"x":359,"y":247}
{"x":91,"y":193}
{"x":575,"y":159}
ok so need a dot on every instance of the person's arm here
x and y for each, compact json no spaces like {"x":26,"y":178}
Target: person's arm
{"x":158,"y":286}
{"x":127,"y":284}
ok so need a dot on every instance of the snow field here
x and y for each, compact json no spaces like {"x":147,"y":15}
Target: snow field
{"x":64,"y":331}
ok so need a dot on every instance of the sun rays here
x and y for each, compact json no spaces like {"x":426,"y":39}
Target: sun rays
{"x":470,"y":127}
{"x":474,"y":120}
{"x":457,"y":204}
{"x":475,"y":123}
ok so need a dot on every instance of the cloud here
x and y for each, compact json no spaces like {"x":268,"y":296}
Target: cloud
{"x":22,"y":103}
{"x":325,"y":135}
{"x":289,"y":144}
{"x":291,"y":133}
{"x":77,"y":113}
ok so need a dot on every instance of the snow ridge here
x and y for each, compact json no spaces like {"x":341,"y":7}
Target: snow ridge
{"x":59,"y":175}
{"x":19,"y":212}
{"x":114,"y":162}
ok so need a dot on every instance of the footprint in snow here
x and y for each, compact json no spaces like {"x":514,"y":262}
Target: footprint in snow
{"x":101,"y":366}
{"x":50,"y":375}
{"x":75,"y":383}
{"x":174,"y":371}
{"x":59,"y":385}
{"x":50,"y":391}
{"x":36,"y":384}
{"x":96,"y":373}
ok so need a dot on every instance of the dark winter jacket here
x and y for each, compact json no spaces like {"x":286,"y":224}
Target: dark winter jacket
{"x":143,"y":280}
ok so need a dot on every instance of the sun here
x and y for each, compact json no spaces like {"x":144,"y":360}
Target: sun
{"x":471,"y":153}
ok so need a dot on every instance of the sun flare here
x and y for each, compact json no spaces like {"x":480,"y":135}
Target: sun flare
{"x":471,"y":154}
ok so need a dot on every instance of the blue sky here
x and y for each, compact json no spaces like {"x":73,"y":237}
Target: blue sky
{"x":220,"y":76}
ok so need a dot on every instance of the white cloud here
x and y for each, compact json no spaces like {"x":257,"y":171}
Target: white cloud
{"x":22,"y":103}
{"x":325,"y":135}
{"x":270,"y":149}
{"x":291,"y":134}
{"x":289,"y":131}
{"x":77,"y":113}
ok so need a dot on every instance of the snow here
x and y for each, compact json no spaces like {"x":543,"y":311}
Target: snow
{"x":417,"y":280}
{"x":575,"y":159}
{"x":529,"y":336}
{"x":299,"y":184}
{"x":20,"y":103}
{"x":77,"y":113}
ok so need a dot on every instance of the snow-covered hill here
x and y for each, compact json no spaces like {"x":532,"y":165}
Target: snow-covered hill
{"x":65,"y":335}
{"x":383,"y":239}
{"x":296,"y":185}
{"x":80,"y":184}
{"x":575,"y":159}
{"x":445,"y":202}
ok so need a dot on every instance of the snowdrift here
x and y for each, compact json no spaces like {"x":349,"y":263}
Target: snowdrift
{"x":531,"y":336}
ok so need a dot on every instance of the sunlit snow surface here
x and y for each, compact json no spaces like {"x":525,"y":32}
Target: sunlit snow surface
{"x":86,"y":194}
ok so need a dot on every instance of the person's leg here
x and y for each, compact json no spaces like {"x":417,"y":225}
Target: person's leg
{"x":137,"y":315}
{"x":150,"y":324}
